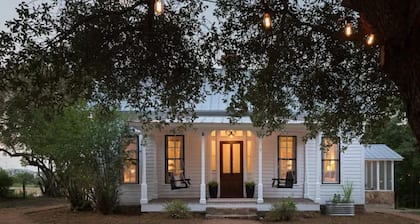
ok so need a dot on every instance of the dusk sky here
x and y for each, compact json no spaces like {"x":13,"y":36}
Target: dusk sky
{"x":8,"y":12}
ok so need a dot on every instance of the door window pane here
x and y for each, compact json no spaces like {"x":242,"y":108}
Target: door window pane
{"x":226,"y":158}
{"x":213,"y":155}
{"x":236,"y":160}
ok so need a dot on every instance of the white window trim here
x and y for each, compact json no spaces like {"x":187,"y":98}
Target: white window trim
{"x":377,"y":168}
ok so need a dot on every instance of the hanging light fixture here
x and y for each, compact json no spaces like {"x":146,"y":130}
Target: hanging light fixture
{"x":267,"y":22}
{"x":159,"y":7}
{"x":370,"y":40}
{"x":231,"y":133}
{"x":348,"y":29}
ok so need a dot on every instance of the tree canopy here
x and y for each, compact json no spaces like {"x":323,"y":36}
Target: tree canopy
{"x":109,"y":52}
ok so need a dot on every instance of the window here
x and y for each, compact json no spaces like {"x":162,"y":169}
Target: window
{"x":286,"y":157}
{"x":174,"y":154}
{"x":330,"y":162}
{"x":378,"y":175}
{"x":213,"y":156}
{"x":249,"y":156}
{"x":213,"y":151}
{"x":130,"y":174}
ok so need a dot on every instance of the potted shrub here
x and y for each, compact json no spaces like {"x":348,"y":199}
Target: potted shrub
{"x":250,"y":188}
{"x":341,"y":206}
{"x":213,"y":185}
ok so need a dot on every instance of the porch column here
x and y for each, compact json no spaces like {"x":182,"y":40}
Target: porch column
{"x":260,"y":199}
{"x":305,"y":162}
{"x":319,"y":174}
{"x":392,"y":175}
{"x":377,"y":175}
{"x":143,"y":199}
{"x":203,"y":173}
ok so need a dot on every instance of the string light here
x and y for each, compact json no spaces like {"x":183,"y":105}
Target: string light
{"x":370,"y":40}
{"x":267,"y":22}
{"x":159,"y":7}
{"x":348,"y":30}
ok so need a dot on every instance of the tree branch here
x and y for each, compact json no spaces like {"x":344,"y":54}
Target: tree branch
{"x":84,"y":19}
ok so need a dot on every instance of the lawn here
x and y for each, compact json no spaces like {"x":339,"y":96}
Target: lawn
{"x":30,"y":202}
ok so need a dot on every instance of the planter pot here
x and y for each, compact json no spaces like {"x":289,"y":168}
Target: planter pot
{"x":250,"y":191}
{"x":339,"y":209}
{"x":213,"y":192}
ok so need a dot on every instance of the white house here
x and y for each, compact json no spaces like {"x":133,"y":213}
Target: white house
{"x":214,"y":149}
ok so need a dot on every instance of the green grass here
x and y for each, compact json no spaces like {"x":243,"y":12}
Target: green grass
{"x":30,"y":202}
{"x":27,"y":185}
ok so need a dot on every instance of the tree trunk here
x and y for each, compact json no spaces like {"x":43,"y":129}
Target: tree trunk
{"x":396,"y":24}
{"x":404,"y":69}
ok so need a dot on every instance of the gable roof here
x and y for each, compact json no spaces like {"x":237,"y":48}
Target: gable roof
{"x":381,"y":152}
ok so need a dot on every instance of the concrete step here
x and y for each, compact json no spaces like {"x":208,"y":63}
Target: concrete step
{"x":239,"y":213}
{"x":232,"y":200}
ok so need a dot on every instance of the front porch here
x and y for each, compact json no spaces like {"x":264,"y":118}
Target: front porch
{"x":157,"y":205}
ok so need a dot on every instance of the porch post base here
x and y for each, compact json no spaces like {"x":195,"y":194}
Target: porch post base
{"x":202,"y":194}
{"x":260,"y":199}
{"x":144,"y":199}
{"x":305,"y":195}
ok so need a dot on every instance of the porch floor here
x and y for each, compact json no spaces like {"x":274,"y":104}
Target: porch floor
{"x":157,"y":205}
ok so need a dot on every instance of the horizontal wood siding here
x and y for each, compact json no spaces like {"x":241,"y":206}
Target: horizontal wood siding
{"x":151,"y":166}
{"x":130,"y":193}
{"x":311,"y":169}
{"x":352,"y":167}
{"x":192,"y":166}
{"x":270,"y":159}
{"x":352,"y":171}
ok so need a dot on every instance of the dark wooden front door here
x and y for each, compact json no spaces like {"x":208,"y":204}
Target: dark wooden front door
{"x":231,"y":166}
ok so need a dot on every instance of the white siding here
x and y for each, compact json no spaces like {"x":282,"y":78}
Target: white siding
{"x":311,"y":168}
{"x":192,"y":150}
{"x":130,"y":193}
{"x":352,"y":167}
{"x":352,"y":171}
{"x":270,"y":159}
{"x":151,"y":166}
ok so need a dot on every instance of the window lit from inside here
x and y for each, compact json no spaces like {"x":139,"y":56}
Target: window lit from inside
{"x":131,"y":162}
{"x":174,"y":152}
{"x":330,"y":162}
{"x":287,"y":157}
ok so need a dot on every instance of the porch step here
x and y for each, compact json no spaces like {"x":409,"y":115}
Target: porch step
{"x":233,"y":213}
{"x":232,"y":200}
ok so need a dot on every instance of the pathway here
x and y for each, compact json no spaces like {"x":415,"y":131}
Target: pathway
{"x":396,"y":212}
